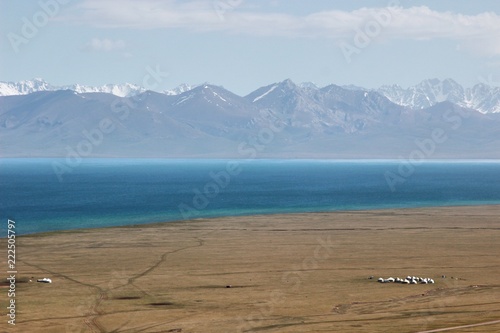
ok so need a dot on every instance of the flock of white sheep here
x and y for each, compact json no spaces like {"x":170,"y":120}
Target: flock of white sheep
{"x":408,"y":280}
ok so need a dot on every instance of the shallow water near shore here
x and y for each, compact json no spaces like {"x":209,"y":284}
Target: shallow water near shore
{"x":48,"y":194}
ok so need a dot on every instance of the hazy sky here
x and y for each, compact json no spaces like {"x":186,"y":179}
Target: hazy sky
{"x":245,"y":44}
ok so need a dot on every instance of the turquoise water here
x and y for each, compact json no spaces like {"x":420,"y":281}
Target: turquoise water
{"x":108,"y":192}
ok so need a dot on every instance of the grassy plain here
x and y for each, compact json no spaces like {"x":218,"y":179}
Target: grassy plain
{"x":287,"y":273}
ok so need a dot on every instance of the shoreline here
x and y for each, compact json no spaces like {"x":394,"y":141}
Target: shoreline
{"x":159,"y":223}
{"x":285,"y":187}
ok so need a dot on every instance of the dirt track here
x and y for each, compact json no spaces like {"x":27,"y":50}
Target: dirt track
{"x":488,"y":323}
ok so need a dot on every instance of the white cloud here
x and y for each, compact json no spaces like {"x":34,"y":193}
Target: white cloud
{"x":104,"y":45}
{"x":476,"y":32}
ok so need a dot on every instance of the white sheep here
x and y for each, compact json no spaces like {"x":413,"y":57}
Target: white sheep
{"x":408,"y":280}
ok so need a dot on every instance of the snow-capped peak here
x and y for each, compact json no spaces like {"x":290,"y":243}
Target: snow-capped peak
{"x":24,"y":87}
{"x":288,"y":84}
{"x":182,"y":88}
{"x":122,"y":90}
{"x":37,"y":84}
{"x":481,"y":97}
{"x":308,"y":85}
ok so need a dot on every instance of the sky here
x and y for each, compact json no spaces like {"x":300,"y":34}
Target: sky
{"x":246,"y":44}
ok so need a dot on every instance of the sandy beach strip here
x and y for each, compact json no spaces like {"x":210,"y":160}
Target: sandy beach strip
{"x":266,"y":273}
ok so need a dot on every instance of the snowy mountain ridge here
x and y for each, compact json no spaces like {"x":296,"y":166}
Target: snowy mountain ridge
{"x":280,"y":120}
{"x":480,"y":97}
{"x":122,"y":90}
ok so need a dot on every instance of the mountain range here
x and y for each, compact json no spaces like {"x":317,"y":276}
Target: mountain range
{"x":435,"y":119}
{"x":481,"y":97}
{"x":122,"y":90}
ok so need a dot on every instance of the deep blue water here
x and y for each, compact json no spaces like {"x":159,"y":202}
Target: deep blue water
{"x":107,"y":192}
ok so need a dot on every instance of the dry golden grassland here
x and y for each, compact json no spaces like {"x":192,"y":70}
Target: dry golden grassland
{"x":269,"y":273}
